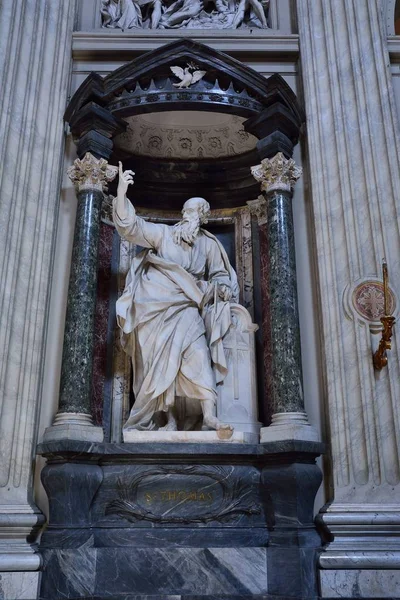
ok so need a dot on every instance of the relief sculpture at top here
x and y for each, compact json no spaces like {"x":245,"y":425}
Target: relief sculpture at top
{"x":174,"y":314}
{"x":191,"y":14}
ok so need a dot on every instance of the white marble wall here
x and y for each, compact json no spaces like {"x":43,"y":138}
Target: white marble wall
{"x":353,"y":144}
{"x":35,"y":50}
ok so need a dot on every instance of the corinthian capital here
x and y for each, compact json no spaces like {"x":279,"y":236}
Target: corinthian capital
{"x":91,"y":173}
{"x":277,"y":173}
{"x":258,"y":208}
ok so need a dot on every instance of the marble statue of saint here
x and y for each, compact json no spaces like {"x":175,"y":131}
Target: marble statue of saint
{"x":174,"y":314}
{"x":121,"y":14}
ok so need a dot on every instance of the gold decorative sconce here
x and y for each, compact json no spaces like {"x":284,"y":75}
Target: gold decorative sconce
{"x":380,"y":358}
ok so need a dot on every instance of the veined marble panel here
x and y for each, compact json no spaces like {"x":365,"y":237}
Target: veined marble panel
{"x":354,"y":144}
{"x":35,"y":43}
{"x":18,"y":586}
{"x":369,"y":583}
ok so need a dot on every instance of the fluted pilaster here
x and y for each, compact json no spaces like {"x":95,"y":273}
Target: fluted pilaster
{"x":353,"y":142}
{"x":35,"y":51}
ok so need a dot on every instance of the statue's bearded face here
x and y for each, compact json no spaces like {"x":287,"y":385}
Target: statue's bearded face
{"x":193,"y":213}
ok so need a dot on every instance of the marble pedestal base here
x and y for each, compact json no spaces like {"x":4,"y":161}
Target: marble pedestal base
{"x":73,"y":426}
{"x":180,"y":520}
{"x":289,"y":426}
{"x":196,"y":437}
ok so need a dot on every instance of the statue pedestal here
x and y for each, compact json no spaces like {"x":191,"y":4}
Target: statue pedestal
{"x":183,"y":520}
{"x":196,"y":437}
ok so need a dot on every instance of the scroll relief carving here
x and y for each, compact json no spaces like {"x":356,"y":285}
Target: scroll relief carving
{"x":190,"y":14}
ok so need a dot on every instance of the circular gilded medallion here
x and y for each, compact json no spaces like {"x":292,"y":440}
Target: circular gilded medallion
{"x":368,"y":300}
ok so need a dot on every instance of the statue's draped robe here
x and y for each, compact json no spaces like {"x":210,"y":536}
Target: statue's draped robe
{"x":123,"y":14}
{"x":159,"y":316}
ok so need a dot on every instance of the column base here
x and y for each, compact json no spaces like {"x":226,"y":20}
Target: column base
{"x":73,"y":426}
{"x":289,"y":426}
{"x":363,"y":557}
{"x":18,"y":524}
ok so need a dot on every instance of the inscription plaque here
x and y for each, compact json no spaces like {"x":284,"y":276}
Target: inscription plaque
{"x":183,"y":495}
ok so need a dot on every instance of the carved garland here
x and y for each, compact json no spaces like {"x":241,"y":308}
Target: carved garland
{"x":236,"y":499}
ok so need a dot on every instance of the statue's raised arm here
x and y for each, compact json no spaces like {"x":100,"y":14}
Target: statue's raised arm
{"x":125,"y":180}
{"x":128,"y":224}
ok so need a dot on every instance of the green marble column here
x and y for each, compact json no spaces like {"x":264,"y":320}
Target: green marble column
{"x":281,"y":325}
{"x":73,"y":420}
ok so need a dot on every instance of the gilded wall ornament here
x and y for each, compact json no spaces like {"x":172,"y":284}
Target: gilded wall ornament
{"x":368,"y":300}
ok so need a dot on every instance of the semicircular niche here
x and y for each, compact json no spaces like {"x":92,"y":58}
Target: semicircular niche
{"x":178,"y":154}
{"x":185,"y":135}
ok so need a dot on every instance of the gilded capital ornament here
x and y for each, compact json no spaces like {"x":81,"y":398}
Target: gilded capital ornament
{"x":91,"y":173}
{"x":258,"y":209}
{"x":277,"y":173}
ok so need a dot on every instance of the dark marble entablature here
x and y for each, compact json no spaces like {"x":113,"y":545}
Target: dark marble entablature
{"x":73,"y":449}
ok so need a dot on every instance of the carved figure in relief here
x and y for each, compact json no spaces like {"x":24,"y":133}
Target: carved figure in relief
{"x":260,"y":10}
{"x":179,"y":13}
{"x":182,"y":279}
{"x":191,"y":14}
{"x":121,"y":14}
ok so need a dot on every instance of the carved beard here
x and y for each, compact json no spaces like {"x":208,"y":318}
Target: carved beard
{"x":186,"y":230}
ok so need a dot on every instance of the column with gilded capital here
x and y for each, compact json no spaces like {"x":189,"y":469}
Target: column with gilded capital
{"x":73,"y":420}
{"x":277,"y":177}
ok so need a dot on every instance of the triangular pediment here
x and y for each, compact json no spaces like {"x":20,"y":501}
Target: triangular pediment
{"x":157,"y":63}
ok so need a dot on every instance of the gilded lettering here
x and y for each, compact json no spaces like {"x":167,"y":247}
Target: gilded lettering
{"x":182,"y":495}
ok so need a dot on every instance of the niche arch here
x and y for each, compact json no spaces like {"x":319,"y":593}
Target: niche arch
{"x":265,"y":113}
{"x":100,"y":112}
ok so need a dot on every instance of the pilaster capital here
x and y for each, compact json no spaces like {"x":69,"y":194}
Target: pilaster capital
{"x":91,"y":173}
{"x":258,"y":209}
{"x":277,"y":173}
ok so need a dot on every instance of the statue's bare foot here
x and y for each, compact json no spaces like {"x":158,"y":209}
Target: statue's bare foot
{"x":213,"y":423}
{"x":170,"y":426}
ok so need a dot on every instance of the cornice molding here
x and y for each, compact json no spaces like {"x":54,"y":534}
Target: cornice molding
{"x":87,"y":45}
